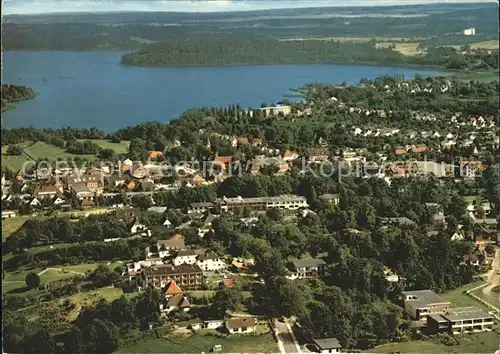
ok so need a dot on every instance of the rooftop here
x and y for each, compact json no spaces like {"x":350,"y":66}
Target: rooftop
{"x":465,"y":313}
{"x":80,"y":188}
{"x":327,"y":343}
{"x":240,"y":322}
{"x":423,"y":298}
{"x":301,"y":263}
{"x":167,"y":269}
{"x":280,"y":198}
{"x":400,"y":220}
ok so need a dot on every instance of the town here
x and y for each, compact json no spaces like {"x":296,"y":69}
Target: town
{"x":204,"y":238}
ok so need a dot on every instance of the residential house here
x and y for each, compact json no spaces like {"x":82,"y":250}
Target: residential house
{"x":461,"y":320}
{"x":290,"y":156}
{"x":200,"y":208}
{"x":241,"y":325}
{"x":185,"y":257}
{"x":308,"y":268}
{"x":130,"y":185}
{"x":417,"y":149}
{"x":327,"y":345}
{"x":155,"y":155}
{"x":7,"y":214}
{"x":166,"y":247}
{"x":45,"y":191}
{"x":93,"y":179}
{"x":317,"y":155}
{"x":221,"y":163}
{"x":128,"y":214}
{"x":420,"y":304}
{"x":139,"y":229}
{"x":189,"y":276}
{"x":80,"y":191}
{"x":210,"y":262}
{"x":276,"y":110}
{"x":173,"y":299}
{"x":35,"y":202}
{"x":333,"y":199}
{"x":400,"y":150}
{"x":58,"y":200}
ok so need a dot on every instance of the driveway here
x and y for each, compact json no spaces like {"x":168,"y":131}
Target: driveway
{"x":285,"y":334}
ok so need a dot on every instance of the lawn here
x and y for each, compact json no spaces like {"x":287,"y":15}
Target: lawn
{"x":14,"y":162}
{"x":458,"y":298}
{"x":264,"y":343}
{"x":41,"y":149}
{"x":11,"y":225}
{"x":119,"y":148}
{"x":486,"y":342}
{"x":484,"y":76}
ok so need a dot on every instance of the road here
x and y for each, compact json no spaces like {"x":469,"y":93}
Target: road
{"x":493,"y":276}
{"x":286,"y":336}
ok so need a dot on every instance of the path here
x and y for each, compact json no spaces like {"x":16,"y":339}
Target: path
{"x":61,"y":270}
{"x":493,"y":276}
{"x":286,"y":339}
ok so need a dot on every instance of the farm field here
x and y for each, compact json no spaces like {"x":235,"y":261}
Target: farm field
{"x":483,"y":76}
{"x":264,"y":343}
{"x":491,"y":44}
{"x":406,"y":48}
{"x":11,"y":225}
{"x":119,"y":148}
{"x":486,"y":342}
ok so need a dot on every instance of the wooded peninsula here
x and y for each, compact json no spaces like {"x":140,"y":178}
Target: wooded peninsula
{"x":15,"y":93}
{"x":251,"y":51}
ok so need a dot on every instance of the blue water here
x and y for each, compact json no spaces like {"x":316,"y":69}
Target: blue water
{"x":92,"y":89}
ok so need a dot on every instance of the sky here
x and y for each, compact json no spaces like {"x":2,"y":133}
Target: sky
{"x":54,"y":6}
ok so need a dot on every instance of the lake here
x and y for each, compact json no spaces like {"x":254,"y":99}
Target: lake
{"x":92,"y":89}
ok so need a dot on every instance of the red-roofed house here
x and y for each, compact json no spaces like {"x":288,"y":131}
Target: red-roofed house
{"x":173,"y":299}
{"x":290,"y":156}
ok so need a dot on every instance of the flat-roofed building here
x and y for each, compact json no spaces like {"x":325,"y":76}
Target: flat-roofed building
{"x":188,"y":276}
{"x":284,"y":202}
{"x":461,"y":319}
{"x":421,"y":303}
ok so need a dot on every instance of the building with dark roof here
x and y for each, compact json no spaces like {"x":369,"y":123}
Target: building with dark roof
{"x":188,"y":276}
{"x":420,"y":304}
{"x":461,"y":319}
{"x":327,"y":345}
{"x":308,"y":268}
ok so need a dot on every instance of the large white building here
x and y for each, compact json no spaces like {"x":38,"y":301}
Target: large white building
{"x":284,"y":202}
{"x":469,"y":31}
{"x":210,"y":263}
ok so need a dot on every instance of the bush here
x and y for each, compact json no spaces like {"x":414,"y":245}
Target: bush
{"x":32,"y":281}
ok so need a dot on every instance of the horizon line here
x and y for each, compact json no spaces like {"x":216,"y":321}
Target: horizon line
{"x":217,"y":6}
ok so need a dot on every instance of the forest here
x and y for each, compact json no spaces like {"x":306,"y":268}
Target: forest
{"x":15,"y":93}
{"x":245,"y":51}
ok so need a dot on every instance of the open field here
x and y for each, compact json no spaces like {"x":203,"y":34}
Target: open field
{"x":484,"y":76}
{"x":407,"y":48}
{"x":355,"y":39}
{"x":119,"y":148}
{"x":14,"y":163}
{"x":486,"y":342}
{"x":11,"y":225}
{"x":264,"y":343}
{"x":458,"y":298}
{"x":16,"y":279}
{"x":41,"y":149}
{"x":491,"y":44}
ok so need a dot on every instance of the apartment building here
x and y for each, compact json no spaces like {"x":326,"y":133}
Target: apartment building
{"x":461,"y":320}
{"x":420,"y":304}
{"x":284,"y":202}
{"x":188,"y":276}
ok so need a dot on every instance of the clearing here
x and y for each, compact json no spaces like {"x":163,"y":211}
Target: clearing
{"x":486,"y":342}
{"x":263,"y":343}
{"x":119,"y":148}
{"x":41,"y":149}
{"x":406,"y":48}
